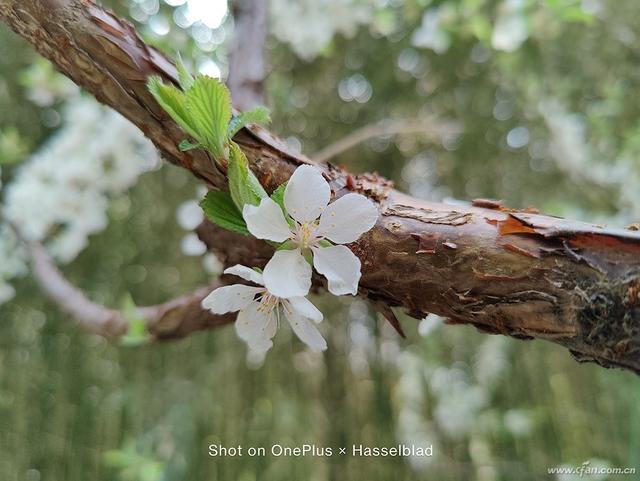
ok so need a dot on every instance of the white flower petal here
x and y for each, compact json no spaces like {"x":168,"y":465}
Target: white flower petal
{"x":230,"y":298}
{"x":307,"y":194}
{"x":304,"y":307}
{"x":347,"y":218}
{"x":287,"y":274}
{"x":246,"y":273}
{"x":341,"y":268}
{"x":266,"y":221}
{"x":306,"y":331}
{"x":260,"y":346}
{"x":256,"y":328}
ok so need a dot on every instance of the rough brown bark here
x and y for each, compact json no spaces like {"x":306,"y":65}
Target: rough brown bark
{"x":504,"y":271}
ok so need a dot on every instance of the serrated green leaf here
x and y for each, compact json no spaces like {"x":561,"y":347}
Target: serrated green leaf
{"x":259,"y":115}
{"x":174,"y":102}
{"x":220,"y":209}
{"x":209,"y":103}
{"x":256,"y":188}
{"x":243,"y":184}
{"x":184,"y":77}
{"x":186,"y":145}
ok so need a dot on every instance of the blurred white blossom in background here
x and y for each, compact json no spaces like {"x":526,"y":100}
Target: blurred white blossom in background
{"x":511,"y":28}
{"x":13,"y":262}
{"x":430,"y":324}
{"x":322,"y":19}
{"x":189,"y":216}
{"x":430,"y":34}
{"x":574,"y":156}
{"x":436,"y":403}
{"x":60,"y":195}
{"x":414,"y":424}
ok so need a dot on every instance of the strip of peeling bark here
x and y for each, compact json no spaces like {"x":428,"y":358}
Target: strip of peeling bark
{"x":508,"y":272}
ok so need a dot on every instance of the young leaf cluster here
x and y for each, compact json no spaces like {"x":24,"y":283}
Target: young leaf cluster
{"x":202,"y":107}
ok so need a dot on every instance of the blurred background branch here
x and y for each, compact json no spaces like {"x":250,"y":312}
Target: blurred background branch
{"x":173,"y":319}
{"x":91,"y":317}
{"x":247,"y":55}
{"x":431,"y":129}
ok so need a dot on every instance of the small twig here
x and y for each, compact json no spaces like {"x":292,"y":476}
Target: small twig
{"x":429,"y":127}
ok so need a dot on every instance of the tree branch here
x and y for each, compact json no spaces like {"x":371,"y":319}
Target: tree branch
{"x":504,"y":271}
{"x":430,"y":128}
{"x":247,"y":64}
{"x":174,"y":319}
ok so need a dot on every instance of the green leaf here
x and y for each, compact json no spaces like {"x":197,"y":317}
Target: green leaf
{"x":243,"y":184}
{"x":259,"y":115}
{"x":13,"y":147}
{"x":278,"y":196}
{"x":209,"y":104}
{"x":186,"y":145}
{"x":137,"y":334}
{"x":569,"y":10}
{"x":286,"y":245}
{"x":174,"y":102}
{"x":184,"y":77}
{"x":220,"y":209}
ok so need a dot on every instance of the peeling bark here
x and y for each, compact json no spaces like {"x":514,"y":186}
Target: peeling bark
{"x":510,"y":272}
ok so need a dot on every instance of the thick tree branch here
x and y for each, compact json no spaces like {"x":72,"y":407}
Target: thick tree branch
{"x":504,"y":271}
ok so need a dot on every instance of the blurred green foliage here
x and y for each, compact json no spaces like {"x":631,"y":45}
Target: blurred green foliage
{"x":74,"y":407}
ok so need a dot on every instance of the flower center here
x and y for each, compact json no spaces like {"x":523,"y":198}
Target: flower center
{"x":268,"y":303}
{"x":305,"y":235}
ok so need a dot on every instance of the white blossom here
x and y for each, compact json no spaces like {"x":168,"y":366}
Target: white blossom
{"x":430,"y":34}
{"x":191,"y":245}
{"x":511,"y":28}
{"x":429,"y":324}
{"x":13,"y":262}
{"x":260,"y":312}
{"x":322,"y":19}
{"x":189,"y":215}
{"x":313,"y":222}
{"x":60,"y":195}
